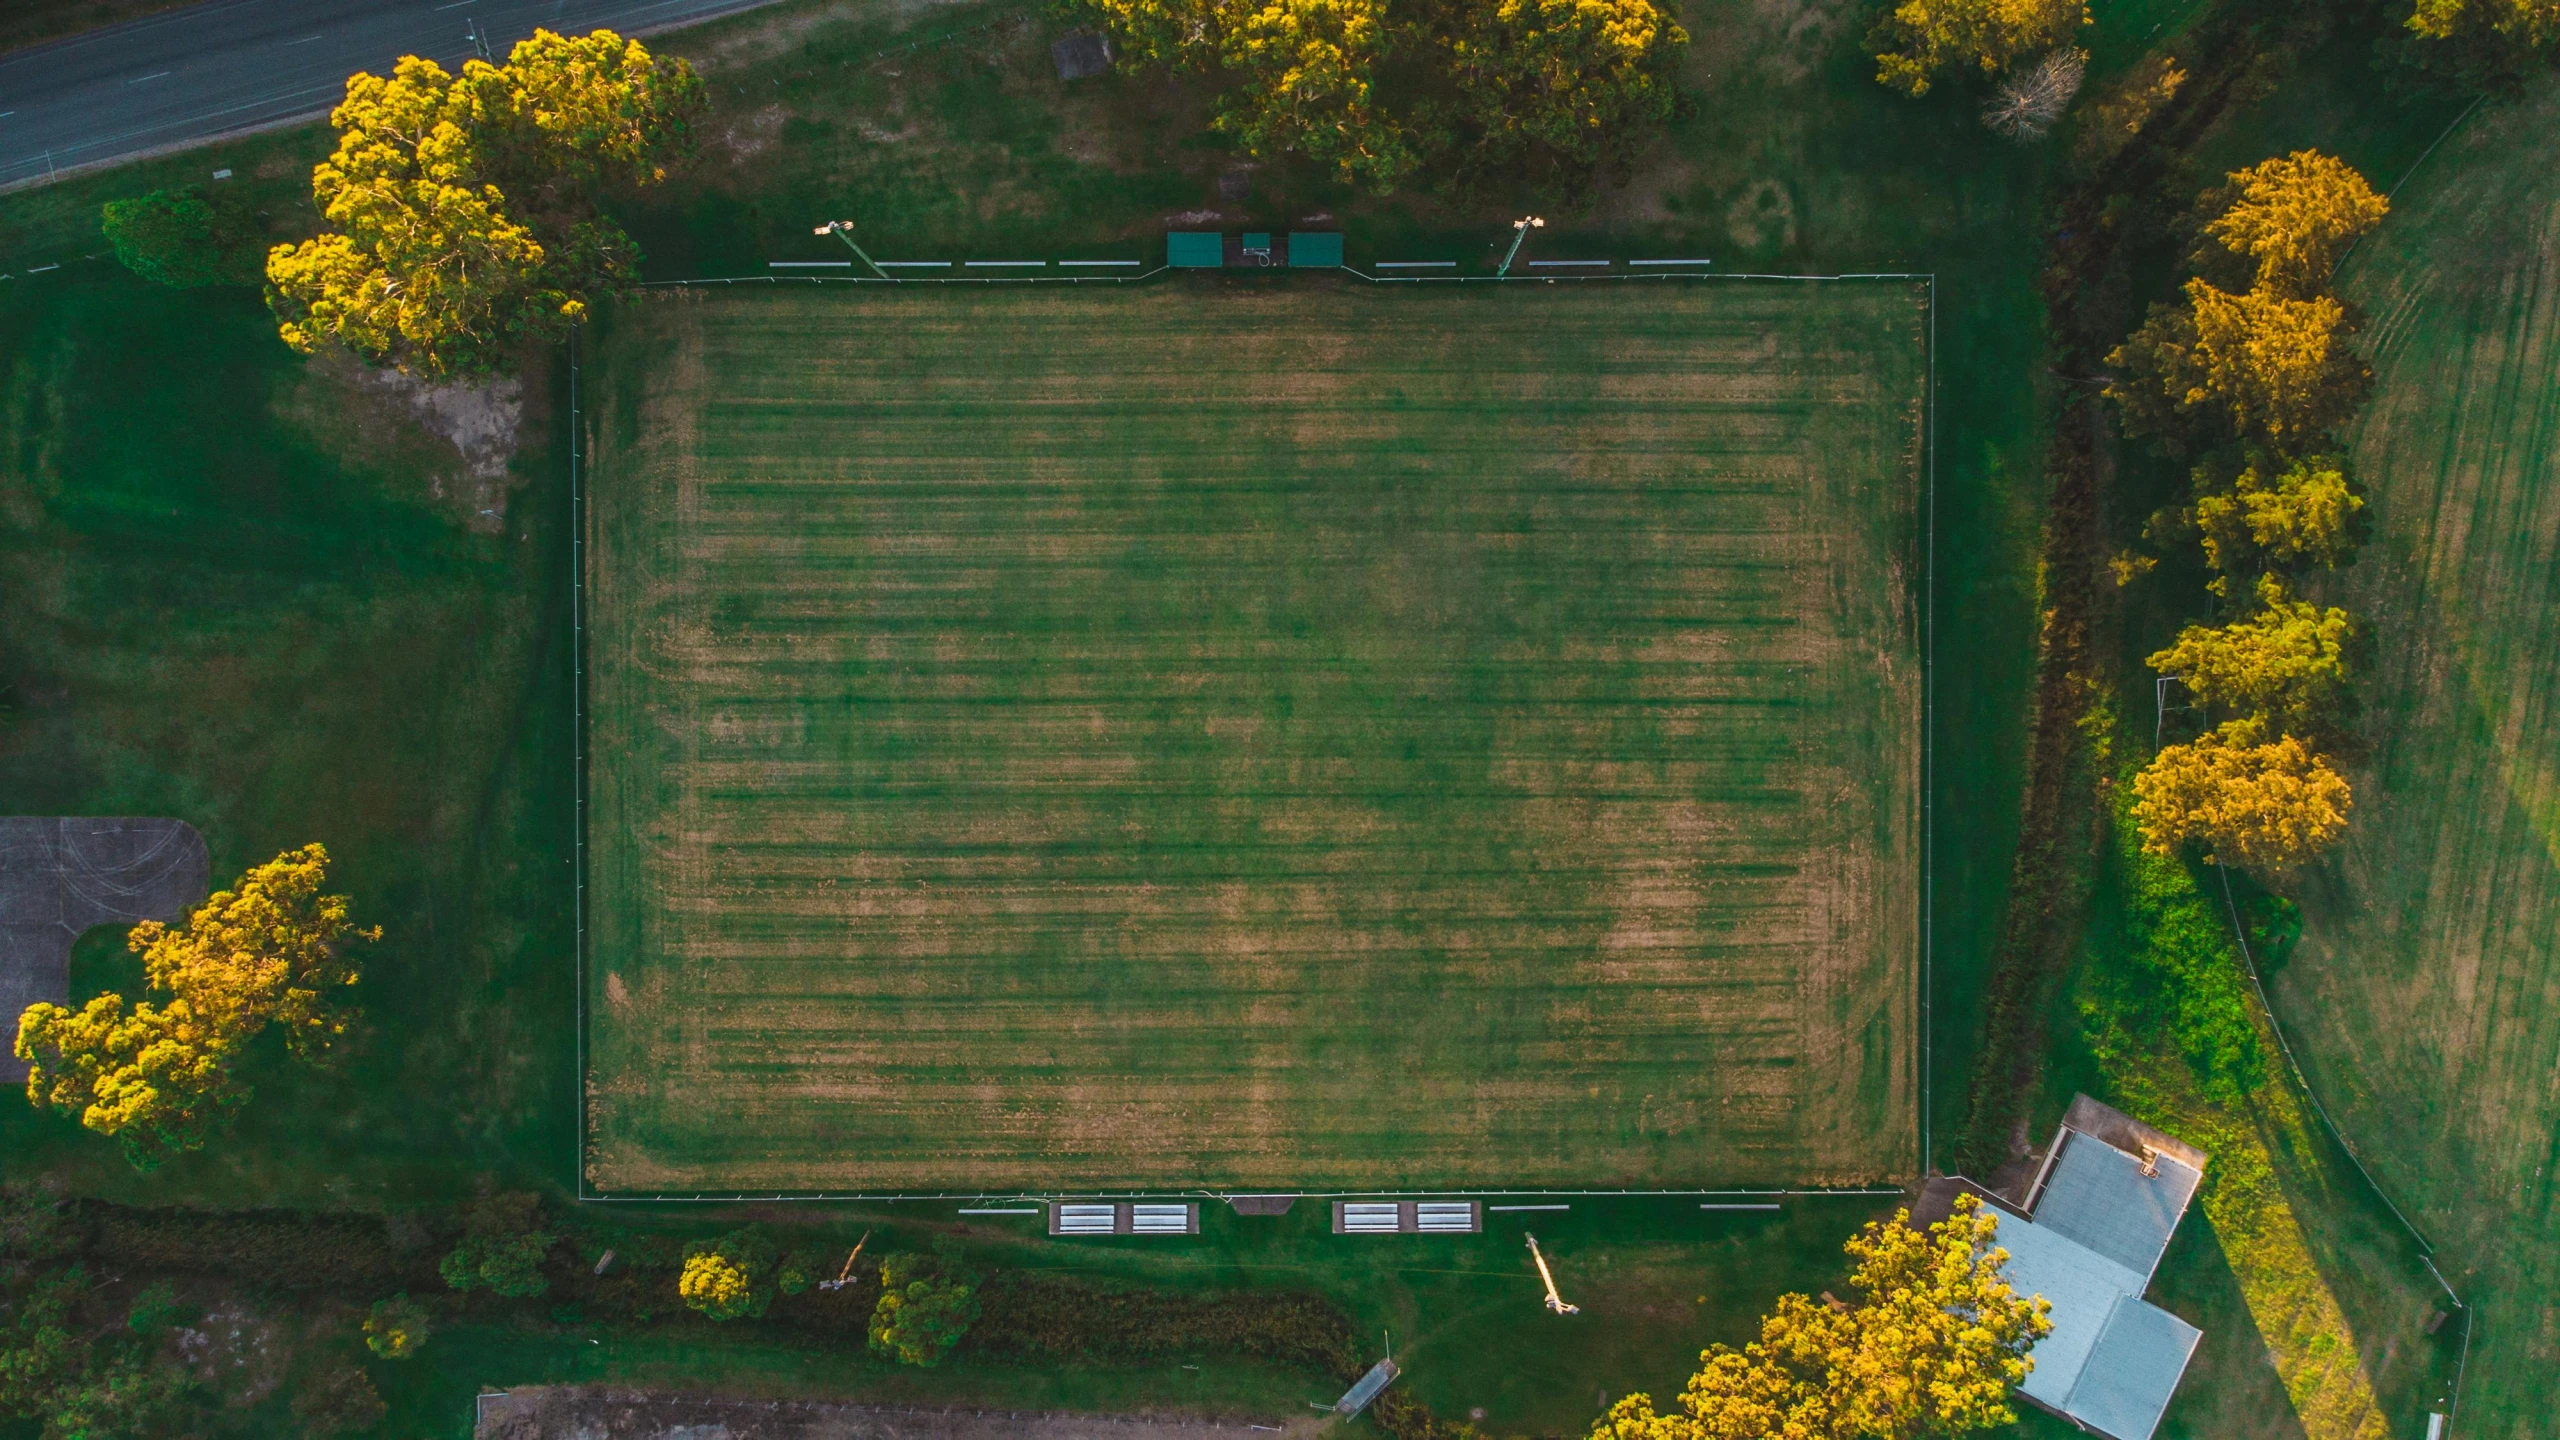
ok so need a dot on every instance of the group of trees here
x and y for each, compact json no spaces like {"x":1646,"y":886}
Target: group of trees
{"x":927,"y":1300}
{"x":1374,"y":93}
{"x":464,"y":206}
{"x":273,"y":951}
{"x":2254,"y":383}
{"x":1930,"y":1345}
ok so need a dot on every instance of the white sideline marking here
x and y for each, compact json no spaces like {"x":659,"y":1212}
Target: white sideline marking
{"x":1417,"y":264}
{"x":999,"y":264}
{"x":912,"y":264}
{"x":809,"y":264}
{"x":1671,"y":262}
{"x":1131,"y":263}
{"x":1545,"y":264}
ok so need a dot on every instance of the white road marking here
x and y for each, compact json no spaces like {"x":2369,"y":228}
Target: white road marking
{"x":305,"y":40}
{"x":163,"y":75}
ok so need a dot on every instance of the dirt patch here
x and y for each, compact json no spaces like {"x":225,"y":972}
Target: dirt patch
{"x":1763,"y":221}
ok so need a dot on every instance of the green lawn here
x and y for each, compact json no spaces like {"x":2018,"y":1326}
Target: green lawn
{"x":2428,"y":979}
{"x":1288,"y":734}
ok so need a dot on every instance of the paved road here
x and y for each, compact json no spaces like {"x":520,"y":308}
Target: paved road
{"x":215,"y":69}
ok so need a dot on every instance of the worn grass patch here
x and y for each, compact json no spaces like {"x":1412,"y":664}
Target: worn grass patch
{"x":1254,"y":735}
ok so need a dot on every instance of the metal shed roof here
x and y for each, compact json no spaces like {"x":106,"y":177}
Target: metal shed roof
{"x":1195,"y":249}
{"x":1321,"y":249}
{"x":2097,"y":1194}
{"x":2133,"y":1370}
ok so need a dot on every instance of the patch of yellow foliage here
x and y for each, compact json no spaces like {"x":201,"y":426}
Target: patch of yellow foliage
{"x":268,"y":952}
{"x":2262,"y":804}
{"x":1932,"y":1346}
{"x":1918,"y":40}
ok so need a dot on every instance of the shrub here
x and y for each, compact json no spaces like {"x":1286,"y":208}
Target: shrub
{"x":502,"y":1249}
{"x":178,"y":238}
{"x":396,"y":1328}
{"x":927,"y":1302}
{"x":729,"y":1278}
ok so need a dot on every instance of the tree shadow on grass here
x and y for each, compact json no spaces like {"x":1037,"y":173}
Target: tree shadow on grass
{"x":2231,"y":1386}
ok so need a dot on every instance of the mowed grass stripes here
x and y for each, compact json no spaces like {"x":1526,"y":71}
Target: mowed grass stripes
{"x":1286,"y":736}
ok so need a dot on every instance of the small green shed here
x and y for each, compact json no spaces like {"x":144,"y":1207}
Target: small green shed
{"x":1194,"y":250}
{"x":1320,"y":250}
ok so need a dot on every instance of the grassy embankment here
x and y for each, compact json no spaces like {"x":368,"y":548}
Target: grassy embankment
{"x":237,"y":616}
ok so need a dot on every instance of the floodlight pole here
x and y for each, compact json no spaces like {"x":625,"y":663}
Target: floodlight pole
{"x":1520,"y":229}
{"x":1555,"y":1302}
{"x":843,"y":230}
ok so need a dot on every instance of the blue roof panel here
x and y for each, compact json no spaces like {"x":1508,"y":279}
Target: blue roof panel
{"x":2098,"y":1195}
{"x":2133,"y":1370}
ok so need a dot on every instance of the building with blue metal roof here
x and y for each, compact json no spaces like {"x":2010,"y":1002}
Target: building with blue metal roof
{"x":2096,"y":1219}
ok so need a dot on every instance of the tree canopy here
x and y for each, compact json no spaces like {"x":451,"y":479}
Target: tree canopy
{"x":181,"y":239}
{"x":1377,"y":94}
{"x":2304,"y":515}
{"x":272,"y":950}
{"x":2266,"y":365}
{"x":2291,"y":217}
{"x":462,"y":209}
{"x":1931,"y":1346}
{"x":927,"y":1303}
{"x":1918,"y":41}
{"x":2264,"y":804}
{"x":2287,"y":663}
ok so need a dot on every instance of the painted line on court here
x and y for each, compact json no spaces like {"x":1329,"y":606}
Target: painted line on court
{"x":1555,"y":264}
{"x":1417,"y":264}
{"x":1671,"y":262}
{"x":809,"y":264}
{"x":1001,"y":264}
{"x":1131,"y":263}
{"x":912,"y":264}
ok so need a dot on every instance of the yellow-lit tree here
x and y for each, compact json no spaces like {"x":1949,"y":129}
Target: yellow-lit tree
{"x":2268,"y":805}
{"x":2305,"y":514}
{"x":2524,"y":25}
{"x":1565,"y":76}
{"x":2269,"y":366}
{"x":1918,"y":41}
{"x":1305,"y":69}
{"x":2291,"y":217}
{"x":2286,"y":663}
{"x":1475,"y":87}
{"x":1931,"y":1346}
{"x":716,"y":1288}
{"x":273,"y":950}
{"x":433,"y":264}
{"x":156,"y":1078}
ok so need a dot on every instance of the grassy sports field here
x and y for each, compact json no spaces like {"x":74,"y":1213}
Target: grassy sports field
{"x":2428,"y":981}
{"x":1292,"y":735}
